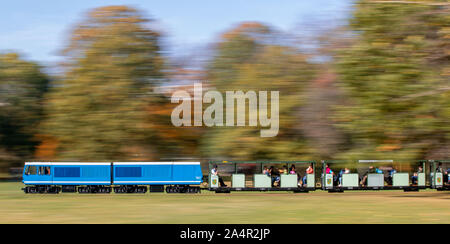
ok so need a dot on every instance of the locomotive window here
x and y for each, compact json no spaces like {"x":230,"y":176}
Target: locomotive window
{"x":67,"y":172}
{"x":31,"y":170}
{"x":128,"y":172}
{"x":44,"y":170}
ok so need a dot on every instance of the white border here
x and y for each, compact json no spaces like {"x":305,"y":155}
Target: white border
{"x":191,"y":181}
{"x":65,"y":163}
{"x":66,"y":182}
{"x":115,"y":163}
{"x":156,"y":163}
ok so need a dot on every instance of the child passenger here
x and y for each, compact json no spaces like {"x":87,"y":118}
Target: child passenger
{"x":292,"y":170}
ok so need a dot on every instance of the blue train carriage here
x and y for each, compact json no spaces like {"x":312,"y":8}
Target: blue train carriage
{"x":53,"y":177}
{"x":175,"y":177}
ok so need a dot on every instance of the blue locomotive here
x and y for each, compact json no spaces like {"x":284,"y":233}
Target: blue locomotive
{"x":103,"y":177}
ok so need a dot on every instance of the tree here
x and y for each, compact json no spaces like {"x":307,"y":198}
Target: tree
{"x":22,"y":87}
{"x":249,"y":59}
{"x":237,"y":46}
{"x":97,"y":110}
{"x":394,"y":75}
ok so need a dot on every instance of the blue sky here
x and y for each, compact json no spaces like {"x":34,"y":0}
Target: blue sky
{"x":39,"y":29}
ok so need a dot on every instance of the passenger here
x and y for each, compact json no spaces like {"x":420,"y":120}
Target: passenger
{"x":292,"y":170}
{"x":343,"y":171}
{"x":415,"y":177}
{"x":266,"y":171}
{"x":309,"y":170}
{"x":439,"y":168}
{"x":329,"y":171}
{"x":347,"y":171}
{"x":283,"y":171}
{"x":340,"y":176}
{"x":370,"y":171}
{"x":378,"y":171}
{"x":446,"y":176}
{"x":274,"y":175}
{"x":420,"y":170}
{"x":214,"y":171}
{"x":390,"y":177}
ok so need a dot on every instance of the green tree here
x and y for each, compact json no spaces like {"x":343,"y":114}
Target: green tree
{"x":247,"y":58}
{"x":22,"y":87}
{"x":237,"y":46}
{"x":396,"y":78}
{"x":97,"y":110}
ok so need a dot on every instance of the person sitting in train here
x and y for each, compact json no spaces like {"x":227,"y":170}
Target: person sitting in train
{"x":343,"y":171}
{"x":275,"y":175}
{"x":415,"y":177}
{"x":329,"y":171}
{"x":340,"y":176}
{"x":439,"y":168}
{"x":283,"y":171}
{"x":214,"y":171}
{"x":309,"y":170}
{"x":371,"y":170}
{"x":292,"y":170}
{"x":446,"y":176}
{"x":266,"y":171}
{"x":390,"y":177}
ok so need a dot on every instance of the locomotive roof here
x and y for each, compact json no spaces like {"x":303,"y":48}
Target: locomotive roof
{"x":109,"y":163}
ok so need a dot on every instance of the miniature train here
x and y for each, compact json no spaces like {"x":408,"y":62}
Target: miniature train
{"x":187,"y":177}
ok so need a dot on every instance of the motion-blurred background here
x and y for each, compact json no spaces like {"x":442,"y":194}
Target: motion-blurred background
{"x":92,"y":80}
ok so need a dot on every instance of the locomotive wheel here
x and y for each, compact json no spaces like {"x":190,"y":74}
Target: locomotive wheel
{"x":31,"y":190}
{"x":53,"y":190}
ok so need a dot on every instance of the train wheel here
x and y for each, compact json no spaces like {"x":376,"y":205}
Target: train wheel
{"x":42,"y":189}
{"x":53,"y":190}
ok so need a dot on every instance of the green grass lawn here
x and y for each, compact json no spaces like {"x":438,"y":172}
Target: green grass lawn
{"x":253,"y":207}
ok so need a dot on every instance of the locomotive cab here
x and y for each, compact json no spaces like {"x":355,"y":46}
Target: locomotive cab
{"x":37,"y":174}
{"x":38,"y":178}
